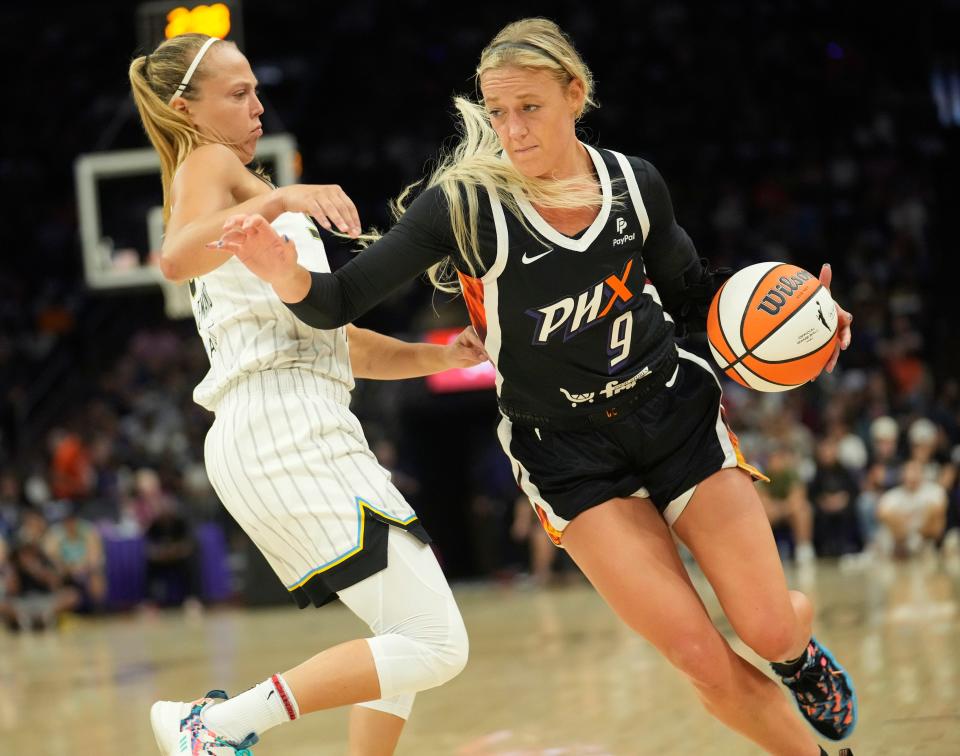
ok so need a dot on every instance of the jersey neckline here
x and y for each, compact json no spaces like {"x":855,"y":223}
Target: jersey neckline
{"x":582,"y":243}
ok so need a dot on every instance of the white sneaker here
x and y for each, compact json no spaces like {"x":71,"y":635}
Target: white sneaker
{"x":179,"y":729}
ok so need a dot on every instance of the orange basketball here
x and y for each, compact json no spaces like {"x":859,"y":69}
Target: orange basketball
{"x":772,"y":326}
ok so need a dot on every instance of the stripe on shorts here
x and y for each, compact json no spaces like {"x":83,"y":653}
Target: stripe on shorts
{"x":363,"y":507}
{"x":552,"y":523}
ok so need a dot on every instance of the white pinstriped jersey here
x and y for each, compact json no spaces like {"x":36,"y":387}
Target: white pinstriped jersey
{"x":285,"y":454}
{"x":246,"y":329}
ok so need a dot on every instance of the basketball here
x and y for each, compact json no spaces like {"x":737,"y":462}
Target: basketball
{"x":772,"y":326}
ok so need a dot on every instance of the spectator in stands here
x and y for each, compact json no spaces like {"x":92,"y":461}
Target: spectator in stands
{"x":106,"y":478}
{"x":913,"y":512}
{"x":882,"y":472}
{"x":851,"y":451}
{"x":924,"y":438}
{"x":76,"y":549}
{"x":148,"y":500}
{"x":40,"y":593}
{"x":833,"y":493}
{"x":786,"y":503}
{"x":11,"y":501}
{"x":71,"y":473}
{"x":928,"y":447}
{"x":170,"y":557}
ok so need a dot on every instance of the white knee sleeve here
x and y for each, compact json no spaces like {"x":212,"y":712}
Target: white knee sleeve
{"x":399,"y":706}
{"x":420,"y":639}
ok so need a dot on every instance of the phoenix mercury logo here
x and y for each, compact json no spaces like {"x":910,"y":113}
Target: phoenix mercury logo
{"x":579,"y":312}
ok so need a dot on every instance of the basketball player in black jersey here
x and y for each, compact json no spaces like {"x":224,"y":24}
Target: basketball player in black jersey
{"x":578,"y":277}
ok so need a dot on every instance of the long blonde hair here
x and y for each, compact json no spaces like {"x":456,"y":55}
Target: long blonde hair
{"x":153,"y":79}
{"x":475,"y":161}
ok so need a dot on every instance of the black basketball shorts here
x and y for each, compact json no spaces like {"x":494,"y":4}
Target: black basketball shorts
{"x":675,"y":439}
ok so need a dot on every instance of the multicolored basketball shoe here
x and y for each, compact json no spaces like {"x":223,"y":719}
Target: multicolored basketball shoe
{"x":824,"y":693}
{"x":179,"y":729}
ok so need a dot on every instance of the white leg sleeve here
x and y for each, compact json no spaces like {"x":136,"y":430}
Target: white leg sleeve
{"x":399,"y":706}
{"x":420,"y":641}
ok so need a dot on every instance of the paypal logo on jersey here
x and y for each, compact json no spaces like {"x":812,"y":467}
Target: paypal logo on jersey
{"x":623,"y":238}
{"x":577,"y":313}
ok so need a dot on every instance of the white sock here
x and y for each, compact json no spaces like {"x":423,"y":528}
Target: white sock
{"x":266,"y":705}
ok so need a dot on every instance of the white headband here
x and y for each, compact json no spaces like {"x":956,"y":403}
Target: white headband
{"x":193,"y":67}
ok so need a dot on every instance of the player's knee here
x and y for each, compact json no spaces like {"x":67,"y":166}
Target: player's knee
{"x":450,"y":648}
{"x":423,"y":652}
{"x":454,"y":653}
{"x":702,"y":658}
{"x":442,"y":640}
{"x":774,"y":639}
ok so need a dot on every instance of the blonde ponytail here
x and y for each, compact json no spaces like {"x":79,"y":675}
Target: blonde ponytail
{"x":154,"y":80}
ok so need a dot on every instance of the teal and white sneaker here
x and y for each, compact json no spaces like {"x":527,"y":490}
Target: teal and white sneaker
{"x":824,"y":692}
{"x":180,"y":731}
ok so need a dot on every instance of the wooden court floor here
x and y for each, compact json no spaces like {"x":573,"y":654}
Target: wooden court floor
{"x":551,"y":672}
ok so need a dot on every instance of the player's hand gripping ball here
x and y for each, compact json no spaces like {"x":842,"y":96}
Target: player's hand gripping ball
{"x":773,"y":326}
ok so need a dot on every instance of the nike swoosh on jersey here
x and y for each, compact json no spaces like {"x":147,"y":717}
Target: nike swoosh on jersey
{"x":527,"y":260}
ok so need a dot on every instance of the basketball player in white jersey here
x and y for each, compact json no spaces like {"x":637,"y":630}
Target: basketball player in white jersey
{"x":576,"y":274}
{"x":285,"y":454}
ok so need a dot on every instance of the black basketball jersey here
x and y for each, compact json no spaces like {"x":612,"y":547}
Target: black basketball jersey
{"x":570,"y":322}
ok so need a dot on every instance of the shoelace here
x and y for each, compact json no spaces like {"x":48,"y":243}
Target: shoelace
{"x":808,"y":683}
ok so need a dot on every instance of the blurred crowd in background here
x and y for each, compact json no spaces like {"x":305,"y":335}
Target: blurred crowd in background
{"x":798,"y":134}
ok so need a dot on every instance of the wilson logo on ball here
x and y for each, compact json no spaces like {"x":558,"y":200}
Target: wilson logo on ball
{"x":772,"y":326}
{"x":776,"y":298}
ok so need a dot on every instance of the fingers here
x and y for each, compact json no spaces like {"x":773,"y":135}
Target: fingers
{"x":328,"y":204}
{"x":845,"y":320}
{"x":320,"y":214}
{"x":234,"y":221}
{"x":255,"y":224}
{"x":353,"y":216}
{"x":236,"y":236}
{"x":470,"y":340}
{"x":236,"y":228}
{"x":826,"y":275}
{"x":832,"y":362}
{"x":335,"y":207}
{"x":246,"y":236}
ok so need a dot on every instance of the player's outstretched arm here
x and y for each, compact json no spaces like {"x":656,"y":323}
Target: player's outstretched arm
{"x":268,"y":255}
{"x":374,"y":355}
{"x":332,"y":300}
{"x":203,"y":195}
